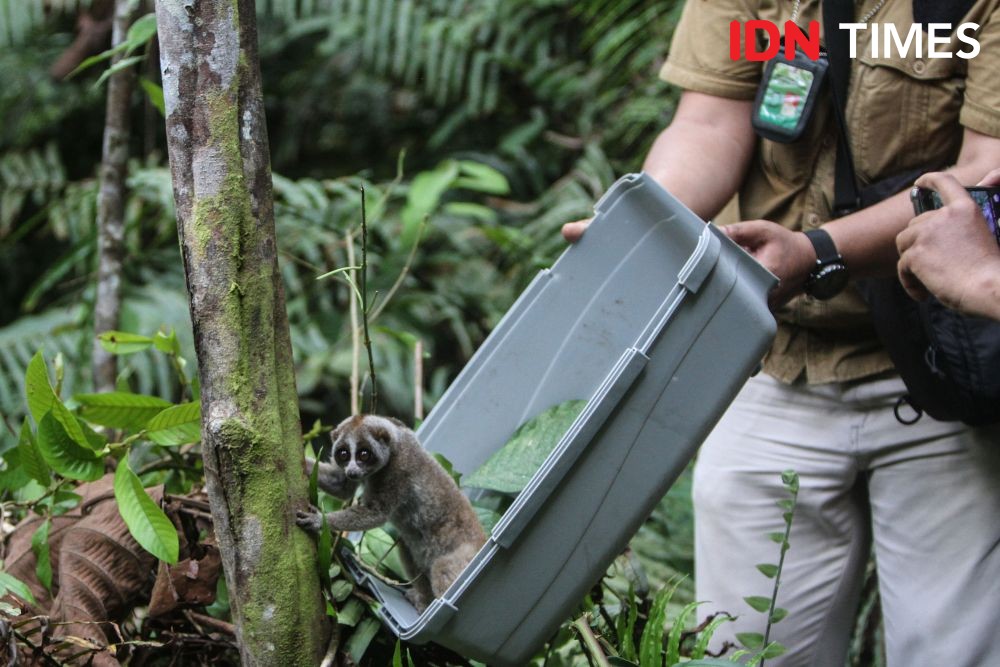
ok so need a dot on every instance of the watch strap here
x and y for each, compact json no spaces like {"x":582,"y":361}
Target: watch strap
{"x":826,"y":251}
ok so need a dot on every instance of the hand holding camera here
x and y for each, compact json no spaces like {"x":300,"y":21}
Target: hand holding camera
{"x":952,"y":248}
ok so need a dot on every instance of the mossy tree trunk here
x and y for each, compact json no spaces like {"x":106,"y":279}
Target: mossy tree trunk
{"x":251,"y":434}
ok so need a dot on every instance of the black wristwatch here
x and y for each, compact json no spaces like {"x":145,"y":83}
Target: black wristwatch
{"x":830,"y":276}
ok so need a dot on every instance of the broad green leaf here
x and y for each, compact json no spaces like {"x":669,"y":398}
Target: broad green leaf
{"x":40,"y":547}
{"x":752,"y":640}
{"x":154,"y":93}
{"x":768,"y":570}
{"x":63,"y":453}
{"x":167,"y":343}
{"x":177,"y":425}
{"x":777,"y":538}
{"x":676,"y":631}
{"x":63,"y":501}
{"x":758,"y":602}
{"x":773,"y":650}
{"x":15,"y":478}
{"x":487,"y":518}
{"x":94,"y":440}
{"x":324,"y":550}
{"x":464,"y":209}
{"x":100,"y":57}
{"x":481,"y":178}
{"x":379,"y":550}
{"x":341,"y":589}
{"x":219,"y":608}
{"x":82,"y":435}
{"x":120,"y":409}
{"x":512,"y":466}
{"x":708,"y":662}
{"x":10,"y":584}
{"x":314,"y":485}
{"x":361,"y":638}
{"x":423,"y":197}
{"x":787,"y":504}
{"x":30,"y":458}
{"x":351,"y":612}
{"x":404,"y":337}
{"x":120,"y":342}
{"x":397,"y":655}
{"x":141,"y":31}
{"x":37,"y":387}
{"x":122,"y":64}
{"x":145,"y":520}
{"x":779,"y":614}
{"x":705,"y":636}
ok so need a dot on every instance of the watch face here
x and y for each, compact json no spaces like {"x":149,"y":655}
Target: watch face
{"x":828,"y":281}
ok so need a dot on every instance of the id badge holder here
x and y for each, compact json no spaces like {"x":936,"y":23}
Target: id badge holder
{"x":787,"y":95}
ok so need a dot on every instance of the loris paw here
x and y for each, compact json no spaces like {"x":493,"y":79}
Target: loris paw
{"x":311,"y":519}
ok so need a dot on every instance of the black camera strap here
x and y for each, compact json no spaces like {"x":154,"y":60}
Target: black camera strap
{"x":846,"y":194}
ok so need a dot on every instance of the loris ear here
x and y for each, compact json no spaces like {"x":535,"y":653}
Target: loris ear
{"x":336,"y":433}
{"x":398,"y":423}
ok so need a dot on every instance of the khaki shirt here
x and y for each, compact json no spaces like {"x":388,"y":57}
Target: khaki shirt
{"x":902,"y":114}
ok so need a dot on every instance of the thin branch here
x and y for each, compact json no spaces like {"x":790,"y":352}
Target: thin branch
{"x":355,"y":336}
{"x":405,"y":271}
{"x":364,"y":301}
{"x":418,"y":380}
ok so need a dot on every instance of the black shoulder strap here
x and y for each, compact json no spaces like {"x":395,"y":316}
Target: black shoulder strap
{"x":846,"y":197}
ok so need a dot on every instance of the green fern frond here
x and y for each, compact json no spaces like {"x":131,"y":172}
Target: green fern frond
{"x":27,"y":176}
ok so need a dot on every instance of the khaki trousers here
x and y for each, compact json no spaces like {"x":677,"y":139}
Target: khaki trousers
{"x":927,"y":496}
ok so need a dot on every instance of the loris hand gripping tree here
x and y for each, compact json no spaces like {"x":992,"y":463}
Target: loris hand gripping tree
{"x":250,"y":422}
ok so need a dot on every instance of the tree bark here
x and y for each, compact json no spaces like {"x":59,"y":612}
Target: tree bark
{"x":251,"y":437}
{"x":111,"y":204}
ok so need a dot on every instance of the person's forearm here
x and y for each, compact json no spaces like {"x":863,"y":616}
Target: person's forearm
{"x":702,"y":157}
{"x":866,"y":239}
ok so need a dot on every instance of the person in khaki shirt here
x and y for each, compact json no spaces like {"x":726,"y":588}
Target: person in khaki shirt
{"x":926,"y":496}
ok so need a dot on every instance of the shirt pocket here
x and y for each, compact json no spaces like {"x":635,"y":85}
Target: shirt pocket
{"x":902,"y":113}
{"x":794,"y":163}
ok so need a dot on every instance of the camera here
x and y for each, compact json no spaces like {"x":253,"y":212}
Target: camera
{"x":987,"y":198}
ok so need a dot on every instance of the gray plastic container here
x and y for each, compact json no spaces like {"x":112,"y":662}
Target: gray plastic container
{"x":655,"y":318}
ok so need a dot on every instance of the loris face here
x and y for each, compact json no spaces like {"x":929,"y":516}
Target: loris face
{"x":361,"y":446}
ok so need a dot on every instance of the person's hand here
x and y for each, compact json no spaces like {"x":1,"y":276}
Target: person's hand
{"x":950,"y":252}
{"x":992,"y":178}
{"x":788,"y":255}
{"x":572,"y":231}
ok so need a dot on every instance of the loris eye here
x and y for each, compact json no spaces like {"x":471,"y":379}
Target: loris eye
{"x":342,"y":455}
{"x":364,"y":455}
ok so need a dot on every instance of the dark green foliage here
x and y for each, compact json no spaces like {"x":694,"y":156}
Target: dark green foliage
{"x":512,"y":466}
